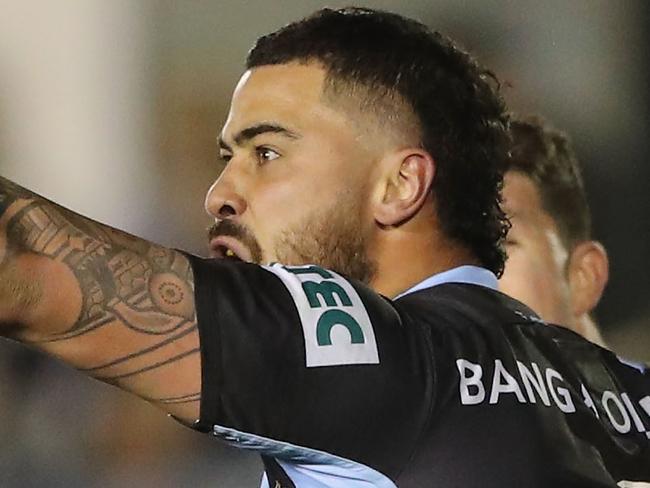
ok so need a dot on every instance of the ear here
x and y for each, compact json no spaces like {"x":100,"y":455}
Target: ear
{"x":588,"y":273}
{"x":404,"y":187}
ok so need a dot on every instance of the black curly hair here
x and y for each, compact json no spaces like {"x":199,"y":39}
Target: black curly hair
{"x":462,"y":118}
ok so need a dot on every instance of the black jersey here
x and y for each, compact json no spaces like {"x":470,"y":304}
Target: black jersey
{"x":454,"y":385}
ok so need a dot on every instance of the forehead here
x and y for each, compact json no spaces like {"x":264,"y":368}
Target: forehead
{"x":522,"y":203}
{"x":521,"y":198}
{"x":288,"y":93}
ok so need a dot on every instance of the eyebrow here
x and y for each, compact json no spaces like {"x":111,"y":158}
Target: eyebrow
{"x":249,"y":133}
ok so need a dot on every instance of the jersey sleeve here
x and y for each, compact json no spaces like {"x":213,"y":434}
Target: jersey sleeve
{"x":300,"y":356}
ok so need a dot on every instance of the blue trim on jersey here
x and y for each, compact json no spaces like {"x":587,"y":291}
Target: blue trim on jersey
{"x":307,"y":468}
{"x":473,"y":275}
{"x":643,"y":368}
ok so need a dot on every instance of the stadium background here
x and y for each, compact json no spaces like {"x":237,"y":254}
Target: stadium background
{"x":113,"y":108}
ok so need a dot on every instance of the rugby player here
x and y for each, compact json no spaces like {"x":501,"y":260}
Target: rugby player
{"x":554,"y":266}
{"x":364,"y":158}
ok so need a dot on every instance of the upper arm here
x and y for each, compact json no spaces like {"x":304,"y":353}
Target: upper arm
{"x":114,"y":306}
{"x":302,"y":356}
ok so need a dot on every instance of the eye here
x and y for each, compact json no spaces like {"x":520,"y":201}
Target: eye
{"x":264,"y":154}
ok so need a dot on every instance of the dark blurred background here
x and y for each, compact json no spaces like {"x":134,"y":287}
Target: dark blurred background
{"x":113,"y":109}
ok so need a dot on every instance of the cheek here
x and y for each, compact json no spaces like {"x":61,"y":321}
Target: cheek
{"x":521,"y":276}
{"x":275,"y":205}
{"x":535,"y":281}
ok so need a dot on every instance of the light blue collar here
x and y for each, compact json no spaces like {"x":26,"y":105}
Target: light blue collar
{"x":472,"y":275}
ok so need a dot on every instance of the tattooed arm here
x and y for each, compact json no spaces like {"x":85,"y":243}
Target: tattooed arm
{"x":112,"y":305}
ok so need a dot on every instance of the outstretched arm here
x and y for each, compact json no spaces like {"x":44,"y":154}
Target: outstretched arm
{"x":112,"y":305}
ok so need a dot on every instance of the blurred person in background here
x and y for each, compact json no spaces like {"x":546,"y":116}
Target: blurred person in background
{"x":364,"y":143}
{"x":554,"y":266}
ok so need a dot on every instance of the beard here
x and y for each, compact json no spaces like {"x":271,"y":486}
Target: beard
{"x":333,"y":238}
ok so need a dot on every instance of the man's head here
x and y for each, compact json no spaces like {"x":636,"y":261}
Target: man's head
{"x":553,"y":264}
{"x":353,"y":128}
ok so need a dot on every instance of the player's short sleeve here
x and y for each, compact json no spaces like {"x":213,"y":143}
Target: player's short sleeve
{"x":303,"y":356}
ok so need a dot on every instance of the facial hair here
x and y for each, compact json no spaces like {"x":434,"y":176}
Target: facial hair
{"x":332,"y":238}
{"x":227,"y":227}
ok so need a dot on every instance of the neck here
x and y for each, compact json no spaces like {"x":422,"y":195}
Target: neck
{"x":410,"y":253}
{"x":588,"y":329}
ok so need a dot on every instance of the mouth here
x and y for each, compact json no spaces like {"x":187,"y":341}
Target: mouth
{"x":226,"y":247}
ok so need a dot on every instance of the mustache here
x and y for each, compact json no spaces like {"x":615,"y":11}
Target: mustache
{"x":229,"y":228}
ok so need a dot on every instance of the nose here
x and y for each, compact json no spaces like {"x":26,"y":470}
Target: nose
{"x":223,"y":200}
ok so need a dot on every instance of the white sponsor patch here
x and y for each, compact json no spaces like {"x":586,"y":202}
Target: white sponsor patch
{"x":334,"y":320}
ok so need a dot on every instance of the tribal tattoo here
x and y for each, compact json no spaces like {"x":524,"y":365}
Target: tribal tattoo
{"x":136,"y":326}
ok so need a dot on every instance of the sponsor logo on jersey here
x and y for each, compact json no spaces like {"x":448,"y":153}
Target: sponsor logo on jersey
{"x":334,"y":320}
{"x":532,"y":384}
